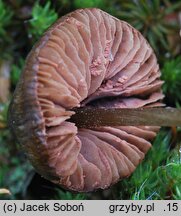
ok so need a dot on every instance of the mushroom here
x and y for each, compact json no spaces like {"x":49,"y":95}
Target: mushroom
{"x":88,"y":58}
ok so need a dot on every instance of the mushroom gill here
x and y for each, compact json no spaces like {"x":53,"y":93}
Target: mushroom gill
{"x":87,"y":58}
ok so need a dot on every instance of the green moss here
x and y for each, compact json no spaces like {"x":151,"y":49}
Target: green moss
{"x":88,"y":3}
{"x":5,"y":18}
{"x":5,"y":37}
{"x":171,"y":74}
{"x":42,"y":18}
{"x":61,"y":195}
{"x":155,"y":19}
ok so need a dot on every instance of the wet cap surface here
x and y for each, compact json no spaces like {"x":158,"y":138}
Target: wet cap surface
{"x":87,"y":58}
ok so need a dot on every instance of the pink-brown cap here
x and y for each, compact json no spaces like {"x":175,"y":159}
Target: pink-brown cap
{"x":87,"y":58}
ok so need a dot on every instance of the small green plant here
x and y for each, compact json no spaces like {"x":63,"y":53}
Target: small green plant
{"x":5,"y":37}
{"x":15,"y":172}
{"x":18,"y":180}
{"x":171,"y":74}
{"x":177,"y":192}
{"x":161,"y":184}
{"x":68,"y":195}
{"x":88,"y":3}
{"x":42,"y":18}
{"x":5,"y":18}
{"x":152,"y":19}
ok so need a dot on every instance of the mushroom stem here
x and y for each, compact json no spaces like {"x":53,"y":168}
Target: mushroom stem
{"x":89,"y":117}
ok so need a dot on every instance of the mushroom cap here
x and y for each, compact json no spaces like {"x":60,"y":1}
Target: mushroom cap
{"x":87,"y":58}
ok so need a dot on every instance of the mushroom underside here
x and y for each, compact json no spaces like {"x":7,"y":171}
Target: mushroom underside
{"x":89,"y":58}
